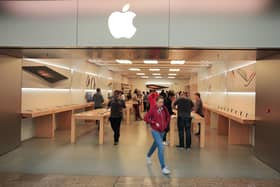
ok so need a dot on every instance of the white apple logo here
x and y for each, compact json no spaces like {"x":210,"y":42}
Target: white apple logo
{"x":121,"y":23}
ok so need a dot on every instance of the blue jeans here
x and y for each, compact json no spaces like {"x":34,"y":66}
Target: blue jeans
{"x":158,"y":144}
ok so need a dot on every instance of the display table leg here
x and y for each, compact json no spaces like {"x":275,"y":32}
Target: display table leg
{"x":73,"y":130}
{"x":202,"y":134}
{"x":223,"y":124}
{"x":44,"y":126}
{"x":239,"y":134}
{"x":213,"y":120}
{"x":63,"y":120}
{"x":207,"y":117}
{"x":127,"y":116}
{"x":101,"y":131}
{"x":172,"y":131}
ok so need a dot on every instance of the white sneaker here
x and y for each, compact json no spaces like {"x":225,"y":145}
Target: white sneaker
{"x":149,"y":160}
{"x":166,"y":171}
{"x":165,"y":143}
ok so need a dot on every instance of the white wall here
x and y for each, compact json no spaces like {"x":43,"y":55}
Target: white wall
{"x":215,"y":89}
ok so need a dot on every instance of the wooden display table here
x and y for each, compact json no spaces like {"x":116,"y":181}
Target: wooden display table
{"x":128,"y":109}
{"x":238,"y":129}
{"x":48,"y":119}
{"x":98,"y":114}
{"x":195,"y":120}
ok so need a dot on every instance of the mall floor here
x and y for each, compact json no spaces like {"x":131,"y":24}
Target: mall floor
{"x":46,"y":160}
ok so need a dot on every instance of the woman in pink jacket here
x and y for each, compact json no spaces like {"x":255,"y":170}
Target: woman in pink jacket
{"x":158,"y":117}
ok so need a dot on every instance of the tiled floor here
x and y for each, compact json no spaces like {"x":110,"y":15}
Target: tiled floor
{"x":27,"y":180}
{"x":216,"y":163}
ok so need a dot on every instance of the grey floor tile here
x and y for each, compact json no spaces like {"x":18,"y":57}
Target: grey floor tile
{"x":88,"y":158}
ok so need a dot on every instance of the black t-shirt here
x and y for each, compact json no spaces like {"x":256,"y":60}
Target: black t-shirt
{"x":168,"y":105}
{"x":117,"y":106}
{"x":185,"y":106}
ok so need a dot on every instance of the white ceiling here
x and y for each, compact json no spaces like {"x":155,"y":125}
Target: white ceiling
{"x":195,"y":59}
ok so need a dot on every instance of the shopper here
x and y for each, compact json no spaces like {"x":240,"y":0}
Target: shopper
{"x":98,"y":99}
{"x":136,"y":105}
{"x":178,"y":94}
{"x":98,"y":102}
{"x":158,"y":117}
{"x":184,"y":108}
{"x":163,"y":94}
{"x":168,"y":104}
{"x":122,"y":96}
{"x":129,"y":95}
{"x":198,"y":108}
{"x":116,"y":105}
{"x":140,"y":101}
{"x":152,"y":98}
{"x":145,"y":101}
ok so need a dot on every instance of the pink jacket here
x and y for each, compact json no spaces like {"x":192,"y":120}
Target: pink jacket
{"x":152,"y":99}
{"x":157,"y":116}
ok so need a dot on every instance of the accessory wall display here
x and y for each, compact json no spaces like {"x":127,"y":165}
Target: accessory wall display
{"x":45,"y":73}
{"x":90,"y":82}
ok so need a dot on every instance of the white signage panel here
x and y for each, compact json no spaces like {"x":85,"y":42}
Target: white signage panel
{"x":38,"y":23}
{"x":123,"y":23}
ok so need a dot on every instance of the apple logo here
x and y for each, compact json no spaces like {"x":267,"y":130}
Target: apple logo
{"x":121,"y":23}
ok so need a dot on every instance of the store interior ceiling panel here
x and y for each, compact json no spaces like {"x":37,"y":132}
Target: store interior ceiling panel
{"x":194,"y":59}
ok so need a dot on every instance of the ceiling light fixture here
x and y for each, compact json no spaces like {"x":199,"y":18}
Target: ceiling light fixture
{"x":140,"y":73}
{"x":158,"y":77}
{"x":156,"y":74}
{"x":150,"y":62}
{"x":159,"y":83}
{"x":154,"y":69}
{"x":171,"y":77}
{"x":144,"y":77}
{"x":123,"y":61}
{"x":134,"y":69}
{"x":172,"y":74}
{"x":174,"y":70}
{"x":179,"y":62}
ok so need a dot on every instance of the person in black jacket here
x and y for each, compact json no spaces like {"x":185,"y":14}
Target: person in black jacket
{"x":116,"y":105}
{"x":168,"y":104}
{"x":184,"y":107}
{"x":198,"y":108}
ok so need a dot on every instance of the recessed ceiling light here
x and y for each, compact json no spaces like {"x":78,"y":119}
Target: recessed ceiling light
{"x":140,"y":73}
{"x":144,"y":77}
{"x":171,"y":77}
{"x":172,"y":74}
{"x":158,"y":77}
{"x":134,"y":69}
{"x":175,"y":70}
{"x":123,"y":61}
{"x":156,"y":74}
{"x":150,"y":62}
{"x":177,"y":62}
{"x":154,"y":69}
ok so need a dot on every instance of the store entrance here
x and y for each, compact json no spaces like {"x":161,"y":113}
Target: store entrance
{"x":59,"y":116}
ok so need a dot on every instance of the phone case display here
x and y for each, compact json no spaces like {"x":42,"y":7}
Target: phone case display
{"x":45,"y":73}
{"x":242,"y":80}
{"x":36,"y":75}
